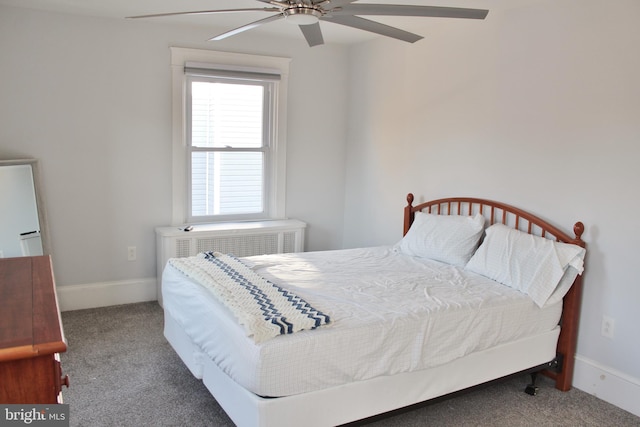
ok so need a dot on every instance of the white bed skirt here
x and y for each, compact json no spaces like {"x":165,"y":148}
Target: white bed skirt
{"x":354,"y":401}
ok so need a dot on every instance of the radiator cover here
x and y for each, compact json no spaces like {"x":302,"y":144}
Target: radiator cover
{"x":240,"y":239}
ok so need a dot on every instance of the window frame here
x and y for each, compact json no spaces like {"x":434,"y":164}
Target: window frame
{"x":274,"y":180}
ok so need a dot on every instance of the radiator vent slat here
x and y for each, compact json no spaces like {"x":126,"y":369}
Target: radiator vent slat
{"x":289,"y":242}
{"x":240,"y":245}
{"x":183,"y":248}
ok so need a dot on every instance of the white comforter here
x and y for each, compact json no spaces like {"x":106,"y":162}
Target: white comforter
{"x":390,"y":313}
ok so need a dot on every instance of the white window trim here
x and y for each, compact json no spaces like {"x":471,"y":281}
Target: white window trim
{"x":234,"y":61}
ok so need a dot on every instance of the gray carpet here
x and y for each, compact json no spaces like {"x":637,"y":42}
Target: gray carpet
{"x":124,"y":373}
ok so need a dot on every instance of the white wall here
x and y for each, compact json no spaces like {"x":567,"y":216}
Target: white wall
{"x":91,"y":99}
{"x":539,"y":107}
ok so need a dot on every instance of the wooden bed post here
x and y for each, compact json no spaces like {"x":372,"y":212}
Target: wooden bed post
{"x":568,"y":340}
{"x":408,"y":214}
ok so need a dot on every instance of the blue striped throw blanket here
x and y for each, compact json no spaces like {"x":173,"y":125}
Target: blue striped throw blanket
{"x":264,"y":309}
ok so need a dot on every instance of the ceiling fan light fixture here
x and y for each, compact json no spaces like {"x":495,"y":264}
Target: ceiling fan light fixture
{"x":302,"y":15}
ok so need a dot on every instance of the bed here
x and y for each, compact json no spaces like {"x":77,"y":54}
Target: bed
{"x":467,"y":296}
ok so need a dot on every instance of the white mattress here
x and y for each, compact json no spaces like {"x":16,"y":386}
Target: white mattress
{"x":390,"y":313}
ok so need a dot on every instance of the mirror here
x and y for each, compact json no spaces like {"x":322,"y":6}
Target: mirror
{"x":23,"y":229}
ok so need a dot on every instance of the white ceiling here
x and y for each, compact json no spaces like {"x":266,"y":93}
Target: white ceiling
{"x":119,"y":9}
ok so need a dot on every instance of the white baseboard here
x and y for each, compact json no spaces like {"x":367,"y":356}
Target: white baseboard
{"x":607,"y":384}
{"x":78,"y":297}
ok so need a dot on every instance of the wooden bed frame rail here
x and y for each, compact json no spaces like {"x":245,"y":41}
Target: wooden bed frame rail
{"x":496,"y":212}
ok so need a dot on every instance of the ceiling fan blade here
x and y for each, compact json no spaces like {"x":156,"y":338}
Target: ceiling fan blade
{"x":332,"y":3}
{"x":207,"y":12}
{"x":407,"y":10}
{"x":374,"y":27}
{"x":247,"y":27}
{"x":313,"y":34}
{"x":276,"y":3}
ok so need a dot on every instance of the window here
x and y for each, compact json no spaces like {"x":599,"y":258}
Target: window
{"x":228,"y":136}
{"x":228,"y":139}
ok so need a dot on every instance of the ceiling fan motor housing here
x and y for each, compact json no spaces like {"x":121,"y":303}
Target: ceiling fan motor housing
{"x":303,"y":15}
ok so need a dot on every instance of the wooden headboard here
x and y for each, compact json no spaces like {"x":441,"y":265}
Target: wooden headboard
{"x":496,"y":212}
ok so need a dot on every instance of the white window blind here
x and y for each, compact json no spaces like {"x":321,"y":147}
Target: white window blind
{"x":229,"y":126}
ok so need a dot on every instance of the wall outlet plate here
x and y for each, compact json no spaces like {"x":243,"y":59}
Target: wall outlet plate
{"x":608,"y":327}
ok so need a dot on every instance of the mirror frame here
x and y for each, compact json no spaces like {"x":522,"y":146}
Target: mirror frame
{"x":42,"y":214}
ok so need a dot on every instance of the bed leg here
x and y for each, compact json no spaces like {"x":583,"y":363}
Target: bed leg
{"x":532,"y":389}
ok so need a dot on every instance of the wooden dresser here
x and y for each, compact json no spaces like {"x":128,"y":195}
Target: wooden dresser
{"x":31,"y":335}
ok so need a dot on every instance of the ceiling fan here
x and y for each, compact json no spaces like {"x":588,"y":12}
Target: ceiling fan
{"x":307,"y":14}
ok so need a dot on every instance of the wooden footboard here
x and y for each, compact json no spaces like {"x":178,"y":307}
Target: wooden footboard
{"x":496,"y":212}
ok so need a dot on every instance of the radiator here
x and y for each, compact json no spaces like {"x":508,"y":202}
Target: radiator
{"x":240,"y":239}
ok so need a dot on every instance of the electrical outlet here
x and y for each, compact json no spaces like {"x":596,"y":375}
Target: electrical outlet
{"x":608,"y":327}
{"x":131,"y":253}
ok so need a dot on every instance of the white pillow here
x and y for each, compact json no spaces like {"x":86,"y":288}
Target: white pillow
{"x":446,"y":238}
{"x":564,"y":285}
{"x":533,"y":265}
